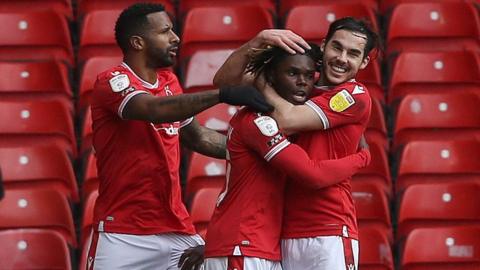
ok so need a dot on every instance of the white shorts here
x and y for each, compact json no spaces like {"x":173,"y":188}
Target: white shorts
{"x":240,"y":263}
{"x":320,"y":253}
{"x":126,"y":251}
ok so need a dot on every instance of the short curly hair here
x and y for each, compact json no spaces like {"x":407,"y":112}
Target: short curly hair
{"x":133,"y":21}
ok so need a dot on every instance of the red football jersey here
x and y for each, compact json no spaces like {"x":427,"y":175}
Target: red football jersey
{"x":138,"y":162}
{"x":248,"y":217}
{"x":344,"y":111}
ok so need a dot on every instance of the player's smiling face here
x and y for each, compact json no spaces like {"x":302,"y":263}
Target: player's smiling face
{"x":161,"y":42}
{"x":293,"y":78}
{"x":343,"y":57}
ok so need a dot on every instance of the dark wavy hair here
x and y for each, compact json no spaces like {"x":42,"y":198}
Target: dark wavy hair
{"x":133,"y":21}
{"x":265,"y":60}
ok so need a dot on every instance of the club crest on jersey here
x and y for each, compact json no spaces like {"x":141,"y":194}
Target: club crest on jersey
{"x":119,"y":83}
{"x":266,"y":125}
{"x":341,"y":101}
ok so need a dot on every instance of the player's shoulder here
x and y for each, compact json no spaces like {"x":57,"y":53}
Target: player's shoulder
{"x":254,"y":121}
{"x":354,"y":88}
{"x":117,"y":78}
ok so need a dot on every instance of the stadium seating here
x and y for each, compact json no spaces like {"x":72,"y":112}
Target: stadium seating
{"x":202,"y":207}
{"x":41,"y":209}
{"x":62,"y":7}
{"x":33,"y":249}
{"x":36,"y":123}
{"x":453,"y":248}
{"x":46,"y":80}
{"x":87,"y":217}
{"x":91,"y":68}
{"x":375,"y":251}
{"x":371,"y":77}
{"x":97,"y":35}
{"x":37,"y":35}
{"x":228,"y":27}
{"x":87,"y":132}
{"x":186,"y":5}
{"x":312,"y":21}
{"x":372,"y":208}
{"x":87,"y":6}
{"x":433,"y":26}
{"x":436,"y":117}
{"x":377,"y":172}
{"x":201,"y":68}
{"x":46,"y":167}
{"x":204,"y":172}
{"x":425,"y":162}
{"x":434,"y":72}
{"x":377,"y":128}
{"x":438,"y":205}
{"x":286,"y":5}
{"x":386,"y":6}
{"x":217,"y":117}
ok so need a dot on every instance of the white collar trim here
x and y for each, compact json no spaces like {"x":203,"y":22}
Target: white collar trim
{"x":144,"y":83}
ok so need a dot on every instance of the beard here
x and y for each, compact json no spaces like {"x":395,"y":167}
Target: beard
{"x":160,"y":58}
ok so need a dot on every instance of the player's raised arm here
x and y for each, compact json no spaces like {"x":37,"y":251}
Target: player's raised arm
{"x":232,"y":72}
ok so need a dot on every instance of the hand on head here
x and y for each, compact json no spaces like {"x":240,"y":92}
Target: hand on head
{"x":285,"y":39}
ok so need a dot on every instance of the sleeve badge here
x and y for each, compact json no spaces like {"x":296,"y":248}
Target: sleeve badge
{"x":266,"y":125}
{"x":341,"y":101}
{"x":119,"y":83}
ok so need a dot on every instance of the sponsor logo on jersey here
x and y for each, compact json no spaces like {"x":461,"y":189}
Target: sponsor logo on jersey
{"x":119,"y":83}
{"x":341,"y":101}
{"x":266,"y":125}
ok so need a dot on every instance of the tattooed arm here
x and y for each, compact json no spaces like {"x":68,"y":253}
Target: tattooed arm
{"x":203,"y":140}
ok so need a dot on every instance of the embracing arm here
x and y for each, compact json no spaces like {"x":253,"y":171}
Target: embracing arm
{"x":295,"y":162}
{"x":203,"y":140}
{"x":232,"y":71}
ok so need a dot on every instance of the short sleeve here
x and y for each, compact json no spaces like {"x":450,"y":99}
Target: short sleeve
{"x":262,"y":135}
{"x":113,"y":91}
{"x":348,"y":105}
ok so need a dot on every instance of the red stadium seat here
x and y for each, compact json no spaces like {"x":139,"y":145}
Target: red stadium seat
{"x":46,"y":167}
{"x":312,"y":21}
{"x":228,"y":27}
{"x":453,"y":248}
{"x":63,"y":7}
{"x":42,"y":209}
{"x":33,"y":249}
{"x":35,"y":81}
{"x":438,"y":205}
{"x":97,"y":36}
{"x":204,"y":172}
{"x":371,"y":77}
{"x":90,"y":180}
{"x":36,"y":123}
{"x":87,"y":216}
{"x":425,"y":162}
{"x":442,"y":72}
{"x":92,"y":67}
{"x":375,"y":251}
{"x":87,"y":132}
{"x":377,"y":128}
{"x":372,"y":208}
{"x":378,"y":172}
{"x":437,"y":117}
{"x":435,"y":26}
{"x":35,"y":36}
{"x":217,"y":117}
{"x":84,"y":254}
{"x":287,"y":5}
{"x":386,"y":6}
{"x":202,"y":207}
{"x":187,"y":5}
{"x":87,"y":6}
{"x":201,"y":68}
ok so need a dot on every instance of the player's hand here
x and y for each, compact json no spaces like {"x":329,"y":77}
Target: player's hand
{"x":285,"y":39}
{"x":192,"y":258}
{"x":245,"y":96}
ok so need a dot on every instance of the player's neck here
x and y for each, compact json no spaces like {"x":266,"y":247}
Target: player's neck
{"x":141,"y":69}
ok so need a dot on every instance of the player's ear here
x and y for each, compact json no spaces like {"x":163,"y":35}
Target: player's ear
{"x":322,"y":46}
{"x":365,"y":62}
{"x":137,"y":43}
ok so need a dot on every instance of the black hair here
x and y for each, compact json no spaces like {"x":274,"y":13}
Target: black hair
{"x":355,"y":25}
{"x":266,"y":60}
{"x":133,"y":21}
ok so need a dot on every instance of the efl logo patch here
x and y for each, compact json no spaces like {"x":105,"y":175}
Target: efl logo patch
{"x":341,"y":101}
{"x":119,"y":83}
{"x":266,"y":125}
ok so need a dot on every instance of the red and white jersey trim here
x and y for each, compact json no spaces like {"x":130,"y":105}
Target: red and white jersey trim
{"x":127,"y":99}
{"x":321,"y":114}
{"x":275,"y":150}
